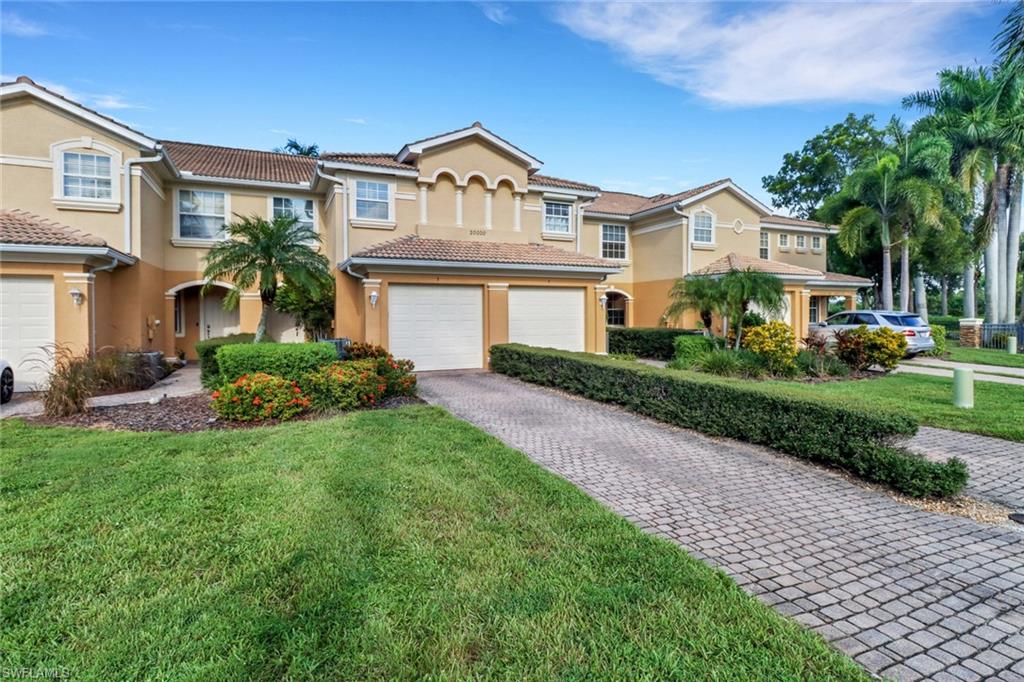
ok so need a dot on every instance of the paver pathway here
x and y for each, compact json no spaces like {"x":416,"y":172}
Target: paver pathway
{"x":909,"y":594}
{"x":996,"y":465}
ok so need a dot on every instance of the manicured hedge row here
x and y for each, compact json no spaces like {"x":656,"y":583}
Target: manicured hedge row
{"x":645,"y":342}
{"x":209,"y":372}
{"x":857,"y":440}
{"x":287,"y":360}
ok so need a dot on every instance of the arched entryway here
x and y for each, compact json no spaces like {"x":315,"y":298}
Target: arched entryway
{"x":199,"y":316}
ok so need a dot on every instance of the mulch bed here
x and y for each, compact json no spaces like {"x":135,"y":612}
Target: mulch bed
{"x":181,"y":415}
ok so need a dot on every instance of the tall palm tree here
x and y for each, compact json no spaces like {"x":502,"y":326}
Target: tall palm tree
{"x":700,"y":293}
{"x":743,"y":288}
{"x":258,"y":252}
{"x":296,"y":148}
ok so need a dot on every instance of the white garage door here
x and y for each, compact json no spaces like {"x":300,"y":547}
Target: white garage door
{"x":26,"y":328}
{"x":437,"y":327}
{"x":549,"y":317}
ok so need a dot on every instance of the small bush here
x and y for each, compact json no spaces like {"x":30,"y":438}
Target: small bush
{"x":721,"y":362}
{"x":857,"y":439}
{"x":209,"y":372}
{"x":73,"y":379}
{"x":688,"y":348}
{"x":885,"y":348}
{"x":290,"y":361}
{"x":259,"y":396}
{"x":814,"y":364}
{"x":360,"y":351}
{"x":398,"y":377}
{"x":655,"y":343}
{"x":345,"y":385}
{"x":939,"y":336}
{"x":775,"y":344}
{"x":850,"y":348}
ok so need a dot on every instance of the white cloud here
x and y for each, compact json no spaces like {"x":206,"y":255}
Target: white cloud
{"x":281,"y":131}
{"x":100,"y":101}
{"x":767,"y":54}
{"x":355,"y":120}
{"x":113,"y":102}
{"x":15,"y":25}
{"x":497,"y":12}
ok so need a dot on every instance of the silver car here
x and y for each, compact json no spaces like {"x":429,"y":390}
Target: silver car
{"x":910,"y":325}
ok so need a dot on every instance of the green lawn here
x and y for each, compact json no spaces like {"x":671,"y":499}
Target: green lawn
{"x":378,"y":545}
{"x":985,"y":356}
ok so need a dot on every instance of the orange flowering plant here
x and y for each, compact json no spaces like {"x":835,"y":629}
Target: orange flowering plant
{"x":346,"y":385}
{"x":259,"y":396}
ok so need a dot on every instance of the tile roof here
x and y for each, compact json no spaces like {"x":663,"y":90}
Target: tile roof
{"x":777,"y":219}
{"x":475,"y":124}
{"x":21,"y":227}
{"x":839,"y":277}
{"x":243,"y":164}
{"x":367,"y":158}
{"x":562,"y":182}
{"x":413,"y":247}
{"x":623,"y":203}
{"x":735,"y":261}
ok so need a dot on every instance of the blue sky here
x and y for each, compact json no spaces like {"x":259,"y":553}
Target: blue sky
{"x":633,"y":97}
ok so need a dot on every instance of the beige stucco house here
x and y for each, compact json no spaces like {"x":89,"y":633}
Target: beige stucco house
{"x":451,"y":244}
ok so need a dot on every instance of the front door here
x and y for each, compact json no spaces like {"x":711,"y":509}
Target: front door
{"x":214,"y":321}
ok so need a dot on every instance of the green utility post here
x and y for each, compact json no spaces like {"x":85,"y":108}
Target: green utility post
{"x":1011,"y":345}
{"x":963,"y":388}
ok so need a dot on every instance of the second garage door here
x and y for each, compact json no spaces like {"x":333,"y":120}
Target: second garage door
{"x":26,"y":328}
{"x":437,"y":327}
{"x":551,"y":317}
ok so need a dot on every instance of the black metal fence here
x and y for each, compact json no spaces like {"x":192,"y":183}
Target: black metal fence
{"x":996,"y":335}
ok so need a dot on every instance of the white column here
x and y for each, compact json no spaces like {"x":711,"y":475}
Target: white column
{"x":488,"y":208}
{"x":517,"y":212}
{"x":423,"y":204}
{"x":458,"y":207}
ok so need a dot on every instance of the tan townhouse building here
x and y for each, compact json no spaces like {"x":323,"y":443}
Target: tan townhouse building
{"x":441,"y":249}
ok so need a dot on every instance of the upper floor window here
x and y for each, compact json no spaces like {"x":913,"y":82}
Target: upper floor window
{"x":763,"y":247}
{"x":783,"y":241}
{"x":87,"y":176}
{"x":816,"y":243}
{"x":556,"y":217}
{"x":373,"y":200}
{"x":801,"y":241}
{"x":290,"y":207}
{"x":703,"y":228}
{"x":613,"y":242}
{"x":201,"y":214}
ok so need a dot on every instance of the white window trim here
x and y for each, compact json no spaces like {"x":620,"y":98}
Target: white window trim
{"x":544,"y":219}
{"x":179,"y":315}
{"x":815,"y":305}
{"x":355,"y":220}
{"x":295,"y":197}
{"x":714,"y":226}
{"x":625,"y":231}
{"x":768,"y":245}
{"x":88,"y":145}
{"x":816,"y":238}
{"x":796,"y":244}
{"x":177,"y":239}
{"x":783,"y":246}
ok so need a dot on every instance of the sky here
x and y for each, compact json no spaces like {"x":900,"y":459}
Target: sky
{"x":634,"y":97}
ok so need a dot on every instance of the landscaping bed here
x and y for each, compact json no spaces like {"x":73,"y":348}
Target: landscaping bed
{"x":397,"y":545}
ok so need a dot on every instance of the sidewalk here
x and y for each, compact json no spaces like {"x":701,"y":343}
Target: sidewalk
{"x":944,"y":368}
{"x":183,"y":382}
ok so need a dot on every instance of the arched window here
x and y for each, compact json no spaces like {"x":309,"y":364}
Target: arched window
{"x":615,"y":310}
{"x":86,"y":174}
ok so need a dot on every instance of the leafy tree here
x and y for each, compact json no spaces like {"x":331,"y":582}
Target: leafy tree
{"x":258,"y":252}
{"x":745,"y":287}
{"x":703,"y":294}
{"x":296,"y":148}
{"x":817,"y":171}
{"x":313,"y":310}
{"x":1009,"y":42}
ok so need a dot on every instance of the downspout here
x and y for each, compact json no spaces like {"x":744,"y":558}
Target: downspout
{"x":128,"y":192}
{"x":92,"y":302}
{"x":344,"y":207}
{"x":579,"y":225}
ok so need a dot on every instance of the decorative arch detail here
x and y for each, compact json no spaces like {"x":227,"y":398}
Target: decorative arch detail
{"x":624,"y":294}
{"x":477,"y":174}
{"x":449,"y":172}
{"x":196,"y":283}
{"x":506,"y":178}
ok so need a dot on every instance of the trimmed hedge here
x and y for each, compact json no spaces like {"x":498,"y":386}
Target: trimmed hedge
{"x":857,"y":440}
{"x":288,"y":360}
{"x":209,"y":371}
{"x":645,"y":342}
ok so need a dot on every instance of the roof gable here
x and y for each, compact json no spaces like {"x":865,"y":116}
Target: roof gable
{"x":414,"y":149}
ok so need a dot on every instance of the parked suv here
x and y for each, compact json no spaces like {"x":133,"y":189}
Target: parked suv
{"x":910,"y":325}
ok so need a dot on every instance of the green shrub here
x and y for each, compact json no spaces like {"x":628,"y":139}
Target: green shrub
{"x":655,"y":343}
{"x":209,"y":372}
{"x":856,"y":439}
{"x":259,"y":396}
{"x":688,"y":348}
{"x":360,"y":351}
{"x":397,"y":374}
{"x":345,"y":385}
{"x":775,"y":344}
{"x":939,"y":336}
{"x":951,"y":323}
{"x":851,"y":348}
{"x":288,"y":360}
{"x":884,"y":347}
{"x":815,"y":364}
{"x":719,"y":361}
{"x":623,"y":356}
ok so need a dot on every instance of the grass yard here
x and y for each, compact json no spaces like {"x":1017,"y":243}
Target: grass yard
{"x":378,"y":545}
{"x":985,"y":356}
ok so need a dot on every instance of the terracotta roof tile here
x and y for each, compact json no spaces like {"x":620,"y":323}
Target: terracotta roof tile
{"x":367,"y":158}
{"x":413,"y":247}
{"x":777,"y":219}
{"x":839,"y":277}
{"x":562,"y":182}
{"x":623,"y":203}
{"x":243,"y":164}
{"x":21,"y":227}
{"x":735,"y":261}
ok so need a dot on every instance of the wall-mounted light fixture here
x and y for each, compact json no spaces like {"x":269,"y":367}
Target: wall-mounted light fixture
{"x":77,"y":296}
{"x":373,"y":299}
{"x":604,"y":300}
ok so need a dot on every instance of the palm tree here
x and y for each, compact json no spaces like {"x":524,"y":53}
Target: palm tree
{"x":1009,"y":42}
{"x":258,"y":252}
{"x":700,"y":293}
{"x":745,"y":287}
{"x":296,"y":148}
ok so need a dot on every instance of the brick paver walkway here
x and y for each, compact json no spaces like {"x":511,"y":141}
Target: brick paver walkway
{"x":996,"y":466}
{"x":907,"y":593}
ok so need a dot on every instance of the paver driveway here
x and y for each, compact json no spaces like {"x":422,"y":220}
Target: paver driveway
{"x":907,"y":593}
{"x":997,"y":466}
